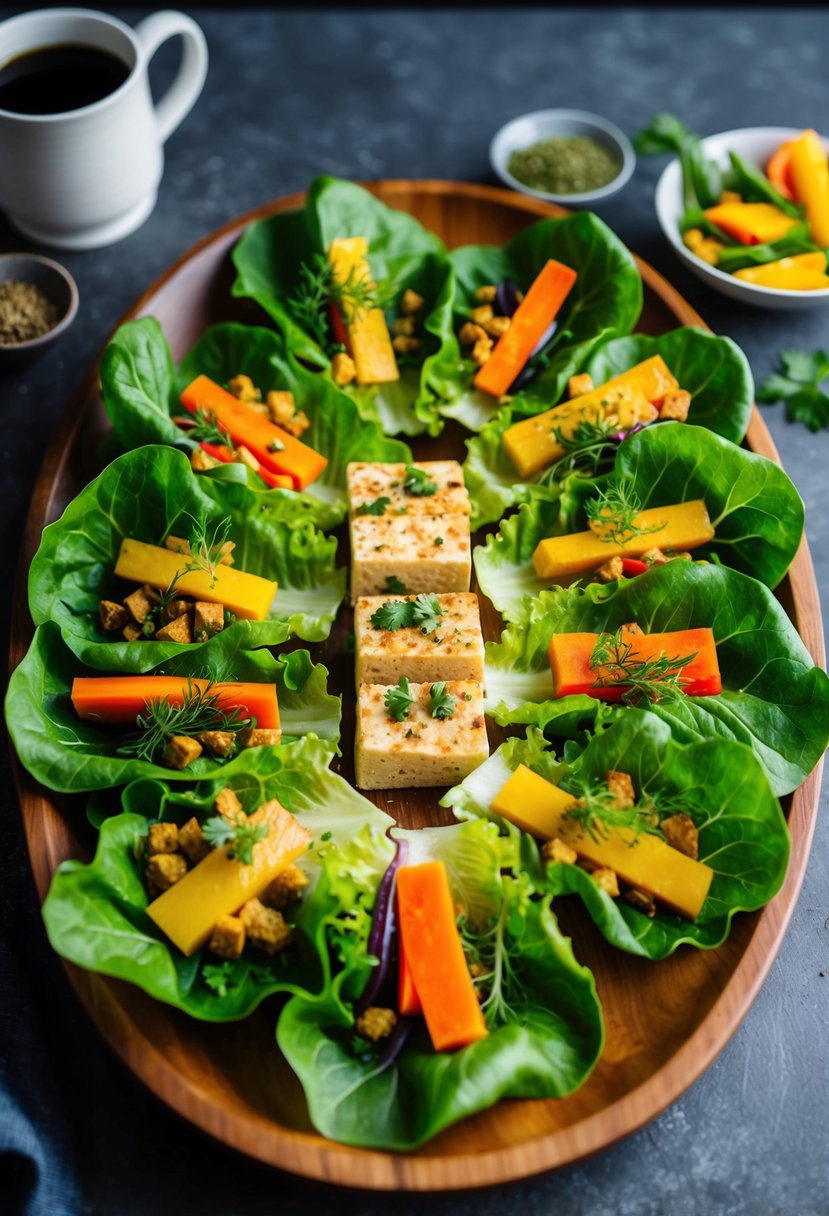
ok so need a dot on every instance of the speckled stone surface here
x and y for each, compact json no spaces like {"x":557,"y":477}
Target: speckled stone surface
{"x":418,"y":94}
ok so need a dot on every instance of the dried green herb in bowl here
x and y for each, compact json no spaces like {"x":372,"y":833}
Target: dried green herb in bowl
{"x":564,"y":164}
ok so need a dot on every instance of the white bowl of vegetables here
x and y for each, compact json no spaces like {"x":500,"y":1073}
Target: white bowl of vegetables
{"x":747,"y":256}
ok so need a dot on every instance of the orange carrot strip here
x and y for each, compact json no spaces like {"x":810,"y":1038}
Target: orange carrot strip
{"x":435,"y":957}
{"x":408,"y":1002}
{"x":274,"y":480}
{"x":532,"y":316}
{"x":116,"y":700}
{"x":272,"y":447}
{"x":572,"y":674}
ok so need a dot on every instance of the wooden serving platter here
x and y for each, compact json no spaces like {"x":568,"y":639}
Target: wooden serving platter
{"x":665,"y":1021}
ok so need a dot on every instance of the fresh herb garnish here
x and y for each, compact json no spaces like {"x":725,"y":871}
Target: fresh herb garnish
{"x":239,"y":834}
{"x":207,"y":430}
{"x":798,"y":385}
{"x":418,"y":482}
{"x":318,"y":287}
{"x":220,"y":977}
{"x":615,"y":661}
{"x":399,"y":700}
{"x":614,"y":511}
{"x":199,"y":711}
{"x":376,"y":507}
{"x":395,"y":586}
{"x":441,"y":702}
{"x":438,"y":540}
{"x":585,"y":447}
{"x":423,"y":612}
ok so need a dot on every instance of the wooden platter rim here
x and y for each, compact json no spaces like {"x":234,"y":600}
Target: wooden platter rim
{"x":307,"y":1153}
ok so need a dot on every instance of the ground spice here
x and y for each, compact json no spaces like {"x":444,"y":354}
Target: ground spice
{"x":564,"y":164}
{"x":25,"y":312}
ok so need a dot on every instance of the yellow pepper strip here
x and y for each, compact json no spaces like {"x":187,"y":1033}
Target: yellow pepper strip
{"x":810,"y":178}
{"x":804,"y":272}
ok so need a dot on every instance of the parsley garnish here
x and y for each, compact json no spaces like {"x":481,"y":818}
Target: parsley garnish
{"x":442,"y":703}
{"x":438,"y":540}
{"x":395,"y":586}
{"x":377,"y":507}
{"x":615,"y":662}
{"x":418,"y":482}
{"x":798,"y":385}
{"x":220,"y":977}
{"x":199,"y":711}
{"x":239,"y":834}
{"x":613,"y":513}
{"x":398,"y":700}
{"x":424,"y":612}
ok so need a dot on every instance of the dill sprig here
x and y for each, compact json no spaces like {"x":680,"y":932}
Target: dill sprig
{"x":239,"y":834}
{"x":207,"y":546}
{"x":597,"y":812}
{"x":318,"y":287}
{"x":199,"y":711}
{"x":615,"y":661}
{"x":208,"y":430}
{"x":612,"y":514}
{"x":585,"y":447}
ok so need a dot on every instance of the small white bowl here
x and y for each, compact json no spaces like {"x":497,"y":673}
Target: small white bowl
{"x":545,"y":124}
{"x":755,"y":145}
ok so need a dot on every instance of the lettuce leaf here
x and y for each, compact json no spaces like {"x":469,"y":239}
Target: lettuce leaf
{"x":141,"y":394}
{"x":713,"y":369}
{"x":604,"y":302}
{"x":545,"y":1020}
{"x":774,"y":699}
{"x":742,"y":833}
{"x":95,"y":914}
{"x":147,"y":495}
{"x":67,"y":754}
{"x":756,"y":510}
{"x":268,"y":260}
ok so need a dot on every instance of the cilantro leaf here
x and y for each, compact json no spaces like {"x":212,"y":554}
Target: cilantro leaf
{"x":219,"y":977}
{"x":418,"y":482}
{"x":394,"y":614}
{"x":798,"y":385}
{"x":427,"y":613}
{"x":398,"y":700}
{"x":240,"y":835}
{"x":394,"y":585}
{"x":377,"y":507}
{"x":442,"y":703}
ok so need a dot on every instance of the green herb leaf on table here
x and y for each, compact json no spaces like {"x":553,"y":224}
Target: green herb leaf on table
{"x":797,"y":384}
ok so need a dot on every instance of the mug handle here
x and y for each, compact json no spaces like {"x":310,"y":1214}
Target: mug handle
{"x":184,"y":91}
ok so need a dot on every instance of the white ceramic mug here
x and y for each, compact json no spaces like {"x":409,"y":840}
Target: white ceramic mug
{"x":85,"y":178}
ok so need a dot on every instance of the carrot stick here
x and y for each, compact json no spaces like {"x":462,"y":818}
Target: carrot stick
{"x":533,"y":315}
{"x":117,"y":700}
{"x":572,"y":674}
{"x":274,"y":480}
{"x":408,"y":1002}
{"x":272,"y":447}
{"x":435,"y":957}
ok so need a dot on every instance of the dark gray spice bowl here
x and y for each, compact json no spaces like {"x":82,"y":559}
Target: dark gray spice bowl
{"x":56,"y":283}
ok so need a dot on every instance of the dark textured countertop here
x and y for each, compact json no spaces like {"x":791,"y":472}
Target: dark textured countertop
{"x":408,"y":93}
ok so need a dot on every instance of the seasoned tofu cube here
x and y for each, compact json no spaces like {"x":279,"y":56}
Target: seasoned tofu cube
{"x":218,"y":742}
{"x":191,"y":841}
{"x":113,"y":616}
{"x":420,"y":750}
{"x":452,"y":651}
{"x":164,"y":870}
{"x":180,"y":630}
{"x":227,"y":803}
{"x":676,"y":405}
{"x":262,"y":736}
{"x":265,"y":928}
{"x":141,"y":602}
{"x":228,"y":937}
{"x":162,"y":838}
{"x":286,"y":888}
{"x":368,"y":482}
{"x":208,"y":620}
{"x":424,"y":552}
{"x":620,"y":785}
{"x":132,"y":632}
{"x":181,"y":751}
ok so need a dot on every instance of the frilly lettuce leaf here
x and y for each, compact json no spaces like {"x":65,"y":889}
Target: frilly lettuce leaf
{"x":95,"y":914}
{"x":742,"y":833}
{"x":605,"y":301}
{"x":67,"y":754}
{"x":141,"y":389}
{"x":755,"y":508}
{"x":774,"y":699}
{"x":546,"y":1027}
{"x":147,"y":495}
{"x":268,"y":260}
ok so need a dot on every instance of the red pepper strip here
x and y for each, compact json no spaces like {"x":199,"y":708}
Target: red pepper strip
{"x":338,"y":329}
{"x":631,"y":566}
{"x":277,"y":481}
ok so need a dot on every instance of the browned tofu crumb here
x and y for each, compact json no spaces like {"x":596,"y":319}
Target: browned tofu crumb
{"x":113,"y":616}
{"x":376,"y":1023}
{"x":498,"y":326}
{"x":286,"y":888}
{"x":180,"y":630}
{"x":621,"y":787}
{"x":243,"y":387}
{"x":162,"y":838}
{"x":641,"y":900}
{"x":482,"y":314}
{"x":411,"y":302}
{"x":654,"y":557}
{"x":607,"y":880}
{"x":343,"y":369}
{"x":679,"y":557}
{"x":208,"y":620}
{"x":227,"y":803}
{"x":191,"y":841}
{"x":635,"y":630}
{"x":218,"y":742}
{"x":557,"y":850}
{"x":164,"y":870}
{"x":470,"y":333}
{"x":486,"y":294}
{"x":406,"y":326}
{"x":611,"y":570}
{"x":131,"y":631}
{"x":681,"y":833}
{"x":481,"y":351}
{"x":141,"y":602}
{"x":265,"y":928}
{"x":201,"y":461}
{"x":228,"y":937}
{"x":181,"y":751}
{"x":577,"y":386}
{"x":405,"y":345}
{"x":175,"y":609}
{"x":676,"y":405}
{"x":262,"y":736}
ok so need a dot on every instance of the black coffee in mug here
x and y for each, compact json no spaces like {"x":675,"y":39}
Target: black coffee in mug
{"x":54,"y":79}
